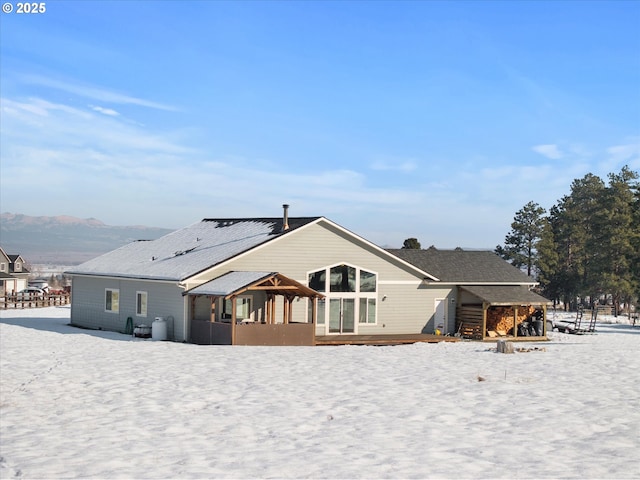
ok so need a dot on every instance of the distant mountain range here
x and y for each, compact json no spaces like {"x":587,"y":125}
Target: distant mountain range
{"x":66,"y":240}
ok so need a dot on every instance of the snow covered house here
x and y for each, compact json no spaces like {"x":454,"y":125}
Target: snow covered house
{"x":276,"y":281}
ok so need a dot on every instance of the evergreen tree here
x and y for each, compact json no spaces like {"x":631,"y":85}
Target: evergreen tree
{"x":558,"y":272}
{"x":590,"y":245}
{"x":520,"y":243}
{"x":615,"y":238}
{"x":584,"y":210}
{"x":411,"y":243}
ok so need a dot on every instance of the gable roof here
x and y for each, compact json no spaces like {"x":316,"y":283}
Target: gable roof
{"x":190,"y":250}
{"x":464,"y":266}
{"x":237,"y":282}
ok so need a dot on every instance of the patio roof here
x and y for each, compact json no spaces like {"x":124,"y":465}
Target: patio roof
{"x":235,"y":283}
{"x":506,"y":295}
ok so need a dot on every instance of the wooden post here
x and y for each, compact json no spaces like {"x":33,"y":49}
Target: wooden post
{"x":233,"y":320}
{"x":515,"y":321}
{"x":314,"y":310}
{"x":544,"y":320}
{"x":285,"y":310}
{"x":290,"y":307}
{"x":212,"y":318}
{"x":485,"y":307}
{"x":272,"y":310}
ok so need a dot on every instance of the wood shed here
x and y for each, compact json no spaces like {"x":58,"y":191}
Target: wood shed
{"x":491,"y":312}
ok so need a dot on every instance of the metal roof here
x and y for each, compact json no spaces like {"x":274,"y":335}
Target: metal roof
{"x":190,"y":250}
{"x":463,"y":266}
{"x":228,"y":283}
{"x":506,"y":295}
{"x":237,"y":282}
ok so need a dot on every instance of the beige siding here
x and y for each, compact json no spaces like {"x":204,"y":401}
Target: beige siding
{"x":409,"y":303}
{"x":312,"y":248}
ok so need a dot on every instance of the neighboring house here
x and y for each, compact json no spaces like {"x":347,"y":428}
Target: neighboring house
{"x":13,"y":273}
{"x":267,"y":281}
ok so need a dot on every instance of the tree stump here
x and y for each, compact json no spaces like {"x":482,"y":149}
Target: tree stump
{"x":505,"y":347}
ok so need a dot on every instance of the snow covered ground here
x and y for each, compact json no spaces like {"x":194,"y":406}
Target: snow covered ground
{"x":84,"y":404}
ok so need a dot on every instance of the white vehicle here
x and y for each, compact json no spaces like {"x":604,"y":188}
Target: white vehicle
{"x":31,"y":292}
{"x":41,"y":284}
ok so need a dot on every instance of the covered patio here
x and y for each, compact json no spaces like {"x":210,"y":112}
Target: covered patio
{"x":492,"y":312}
{"x":240,"y":308}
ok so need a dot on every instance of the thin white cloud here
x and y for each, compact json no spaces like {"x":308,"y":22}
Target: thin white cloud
{"x":404,"y":166}
{"x":629,"y":153}
{"x":65,"y":127}
{"x":95,"y":93}
{"x":550,"y":151}
{"x":105,"y":111}
{"x":105,"y":166}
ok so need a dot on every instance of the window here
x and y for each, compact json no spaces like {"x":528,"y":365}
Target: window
{"x":17,"y":267}
{"x":319,"y":313}
{"x":141,"y":304}
{"x":345,"y":283}
{"x":367,"y":281}
{"x":243,"y":308}
{"x":3,"y":267}
{"x":318,"y":281}
{"x":367,"y":310}
{"x":343,"y":278}
{"x":112,"y":300}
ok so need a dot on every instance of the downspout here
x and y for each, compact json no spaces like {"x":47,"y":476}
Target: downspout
{"x":233,"y":320}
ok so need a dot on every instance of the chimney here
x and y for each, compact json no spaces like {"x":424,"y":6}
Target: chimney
{"x":285,"y":220}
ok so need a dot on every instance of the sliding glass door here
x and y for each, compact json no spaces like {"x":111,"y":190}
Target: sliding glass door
{"x":342,"y":315}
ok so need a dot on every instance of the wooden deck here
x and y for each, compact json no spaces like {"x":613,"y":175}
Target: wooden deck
{"x":400,"y":339}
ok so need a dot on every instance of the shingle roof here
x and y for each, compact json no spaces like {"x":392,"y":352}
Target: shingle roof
{"x":190,"y":250}
{"x":506,"y":295}
{"x":463,"y":266}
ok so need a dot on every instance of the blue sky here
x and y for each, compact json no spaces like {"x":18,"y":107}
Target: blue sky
{"x":435,"y":120}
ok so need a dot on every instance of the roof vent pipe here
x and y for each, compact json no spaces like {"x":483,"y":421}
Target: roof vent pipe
{"x":285,"y":220}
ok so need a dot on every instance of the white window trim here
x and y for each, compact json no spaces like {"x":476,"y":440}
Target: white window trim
{"x":146,"y":303}
{"x":357,"y":295}
{"x":117,"y":290}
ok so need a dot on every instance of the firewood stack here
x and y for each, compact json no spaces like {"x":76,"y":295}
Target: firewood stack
{"x":500,"y":319}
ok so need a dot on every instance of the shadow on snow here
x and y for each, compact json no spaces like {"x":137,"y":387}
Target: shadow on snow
{"x":60,"y":325}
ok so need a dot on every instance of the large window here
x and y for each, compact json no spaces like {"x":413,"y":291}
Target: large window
{"x":343,"y":278}
{"x":112,"y":300}
{"x":351,"y":293}
{"x":141,"y":304}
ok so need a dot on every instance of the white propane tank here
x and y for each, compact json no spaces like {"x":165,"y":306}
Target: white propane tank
{"x":159,"y":329}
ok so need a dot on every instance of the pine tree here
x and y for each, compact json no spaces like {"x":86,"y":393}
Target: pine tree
{"x":584,"y":215}
{"x":520,"y":243}
{"x":615,"y":238}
